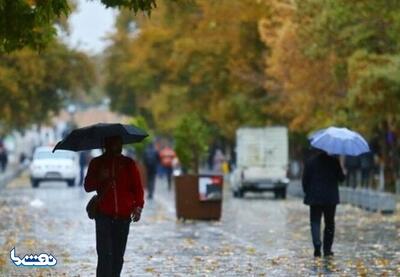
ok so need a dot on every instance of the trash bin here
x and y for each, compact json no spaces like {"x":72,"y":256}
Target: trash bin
{"x":198,"y":196}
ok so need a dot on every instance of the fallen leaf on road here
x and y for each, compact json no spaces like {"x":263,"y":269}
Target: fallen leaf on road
{"x":150,"y":270}
{"x":251,"y":251}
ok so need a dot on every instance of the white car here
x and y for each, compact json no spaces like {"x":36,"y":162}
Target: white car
{"x":61,"y":165}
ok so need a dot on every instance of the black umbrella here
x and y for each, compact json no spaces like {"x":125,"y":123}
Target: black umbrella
{"x":92,"y":137}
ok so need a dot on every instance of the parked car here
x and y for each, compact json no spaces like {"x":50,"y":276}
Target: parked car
{"x":61,"y":165}
{"x":262,"y":161}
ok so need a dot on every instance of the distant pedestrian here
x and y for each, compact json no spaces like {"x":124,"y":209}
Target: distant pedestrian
{"x":367,"y":166}
{"x":218,"y":161}
{"x":321,"y":176}
{"x":167,"y":156}
{"x":352,"y":165}
{"x":120,"y":200}
{"x":3,"y":157}
{"x":150,"y":161}
{"x":83,"y":162}
{"x":210,"y":159}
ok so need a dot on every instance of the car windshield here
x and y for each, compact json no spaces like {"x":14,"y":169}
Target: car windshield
{"x":59,"y":154}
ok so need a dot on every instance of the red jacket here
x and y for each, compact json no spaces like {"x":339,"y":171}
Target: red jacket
{"x":120,"y":199}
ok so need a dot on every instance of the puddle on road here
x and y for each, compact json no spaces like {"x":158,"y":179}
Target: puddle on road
{"x":36,"y":203}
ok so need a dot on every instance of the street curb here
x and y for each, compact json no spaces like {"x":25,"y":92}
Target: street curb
{"x":11,"y":175}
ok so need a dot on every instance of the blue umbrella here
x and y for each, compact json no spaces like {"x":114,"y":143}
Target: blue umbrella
{"x":339,"y":141}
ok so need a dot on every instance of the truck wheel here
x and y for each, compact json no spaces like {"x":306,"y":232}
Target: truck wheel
{"x":238,"y":193}
{"x":71,"y":183}
{"x":280,"y":193}
{"x":35,"y":183}
{"x":283,"y":193}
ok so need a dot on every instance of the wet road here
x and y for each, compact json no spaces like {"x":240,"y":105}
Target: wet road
{"x":257,"y":236}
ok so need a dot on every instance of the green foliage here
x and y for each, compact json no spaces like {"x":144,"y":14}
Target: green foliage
{"x":333,"y":25}
{"x":140,"y":122}
{"x":31,"y":23}
{"x":366,"y":46}
{"x":203,"y":56}
{"x":192,"y":137}
{"x":334,"y":62}
{"x":135,"y":5}
{"x":375,"y":89}
{"x":33,"y":85}
{"x":339,"y":65}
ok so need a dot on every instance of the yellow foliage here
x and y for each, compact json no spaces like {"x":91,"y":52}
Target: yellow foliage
{"x":307,"y":94}
{"x":208,"y":59}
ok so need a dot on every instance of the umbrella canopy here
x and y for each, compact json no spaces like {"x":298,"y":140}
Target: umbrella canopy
{"x":92,"y":137}
{"x":340,"y":141}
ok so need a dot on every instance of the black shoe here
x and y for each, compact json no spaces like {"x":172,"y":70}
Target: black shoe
{"x":328,"y":254}
{"x":317,"y":253}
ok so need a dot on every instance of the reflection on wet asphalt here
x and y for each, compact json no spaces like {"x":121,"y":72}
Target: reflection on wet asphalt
{"x":257,"y":236}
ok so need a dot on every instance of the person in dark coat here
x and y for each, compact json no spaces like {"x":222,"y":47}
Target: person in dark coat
{"x":3,"y":157}
{"x":367,"y":165}
{"x":150,"y":158}
{"x":321,"y":176}
{"x":83,"y":162}
{"x":352,"y":165}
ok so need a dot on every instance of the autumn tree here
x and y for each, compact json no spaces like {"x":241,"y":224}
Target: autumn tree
{"x":336,"y":62}
{"x":34,"y":85}
{"x":208,"y":59}
{"x":306,"y":93}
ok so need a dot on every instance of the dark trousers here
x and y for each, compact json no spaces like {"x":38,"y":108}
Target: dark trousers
{"x":111,"y":238}
{"x":316,"y":212}
{"x":151,"y":182}
{"x":168,"y":172}
{"x":351,"y":178}
{"x":3,"y":162}
{"x":82,"y":175}
{"x":365,"y":177}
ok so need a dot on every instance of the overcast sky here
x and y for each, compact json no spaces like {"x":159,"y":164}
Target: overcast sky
{"x":89,"y":26}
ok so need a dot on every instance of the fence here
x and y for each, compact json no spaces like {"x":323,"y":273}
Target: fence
{"x":364,"y":198}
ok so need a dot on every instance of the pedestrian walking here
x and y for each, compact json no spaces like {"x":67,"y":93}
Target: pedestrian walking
{"x":321,"y":176}
{"x":366,"y":165}
{"x":120,"y":200}
{"x":150,"y":161}
{"x":218,"y":161}
{"x":210,"y":159}
{"x":83,"y":162}
{"x":167,"y":156}
{"x":352,"y":165}
{"x":3,"y":157}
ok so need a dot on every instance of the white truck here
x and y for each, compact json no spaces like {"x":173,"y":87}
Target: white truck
{"x":262,"y":160}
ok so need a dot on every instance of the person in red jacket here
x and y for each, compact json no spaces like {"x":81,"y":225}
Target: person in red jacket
{"x":116,"y":178}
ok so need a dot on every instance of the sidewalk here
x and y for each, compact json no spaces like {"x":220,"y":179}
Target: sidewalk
{"x":12,"y":172}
